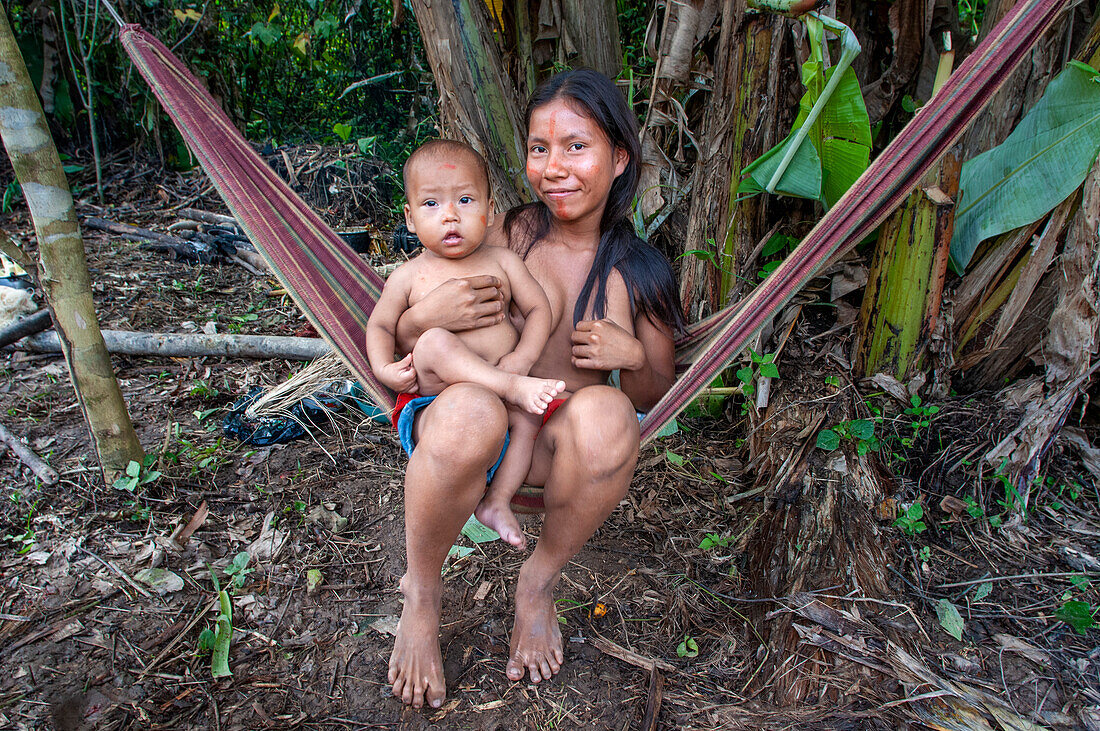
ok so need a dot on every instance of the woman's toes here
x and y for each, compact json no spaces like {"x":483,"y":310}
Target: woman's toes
{"x":533,"y":670}
{"x":514,"y":670}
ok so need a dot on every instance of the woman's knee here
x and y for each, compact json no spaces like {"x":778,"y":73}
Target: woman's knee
{"x":603,"y":428}
{"x":465,"y":423}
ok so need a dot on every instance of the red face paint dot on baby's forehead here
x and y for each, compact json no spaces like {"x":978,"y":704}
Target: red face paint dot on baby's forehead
{"x":448,"y":166}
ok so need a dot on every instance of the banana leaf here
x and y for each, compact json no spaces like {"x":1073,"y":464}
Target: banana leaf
{"x":840,"y":138}
{"x":1037,"y":167}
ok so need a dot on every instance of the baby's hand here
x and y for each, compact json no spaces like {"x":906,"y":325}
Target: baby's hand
{"x":511,"y":363}
{"x":399,"y":375}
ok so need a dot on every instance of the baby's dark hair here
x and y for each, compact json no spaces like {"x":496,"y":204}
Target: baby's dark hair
{"x":644,"y":269}
{"x":445,"y":150}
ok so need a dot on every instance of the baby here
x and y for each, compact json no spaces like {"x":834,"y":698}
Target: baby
{"x":449,"y":209}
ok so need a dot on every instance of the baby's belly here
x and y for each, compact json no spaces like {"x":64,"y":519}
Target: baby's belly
{"x":491,"y":343}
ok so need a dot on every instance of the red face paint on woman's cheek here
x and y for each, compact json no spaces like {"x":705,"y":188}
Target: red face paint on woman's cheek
{"x":483,"y":220}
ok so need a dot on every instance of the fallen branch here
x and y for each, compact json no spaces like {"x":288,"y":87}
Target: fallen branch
{"x":193,"y":345}
{"x":629,"y":656}
{"x":29,"y":325}
{"x":47,"y":474}
{"x":206,"y":217}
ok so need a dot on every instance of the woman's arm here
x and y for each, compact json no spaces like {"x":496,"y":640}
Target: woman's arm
{"x":455,"y":305}
{"x":647,"y":384}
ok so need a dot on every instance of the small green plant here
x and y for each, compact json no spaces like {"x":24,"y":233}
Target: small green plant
{"x":859,"y":431}
{"x":138,"y":474}
{"x":921,"y":418}
{"x":237,"y":570}
{"x":688,"y":648}
{"x":204,"y":390}
{"x":972,"y":508}
{"x":773,"y":253}
{"x":762,"y":365}
{"x":911,"y":520}
{"x":1077,"y":614}
{"x":925,"y":554}
{"x":217,"y":640}
{"x":713,"y":540}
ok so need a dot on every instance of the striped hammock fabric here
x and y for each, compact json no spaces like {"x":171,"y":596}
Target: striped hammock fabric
{"x":337,"y":290}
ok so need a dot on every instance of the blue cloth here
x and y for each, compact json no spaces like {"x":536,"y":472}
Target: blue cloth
{"x":405,"y":431}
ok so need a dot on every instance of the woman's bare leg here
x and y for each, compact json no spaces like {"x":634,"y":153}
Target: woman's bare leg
{"x":585,"y":457}
{"x":459,"y":436}
{"x":441,"y":359}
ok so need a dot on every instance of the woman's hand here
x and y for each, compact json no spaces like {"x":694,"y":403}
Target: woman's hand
{"x":604,"y":346}
{"x":456,"y":305}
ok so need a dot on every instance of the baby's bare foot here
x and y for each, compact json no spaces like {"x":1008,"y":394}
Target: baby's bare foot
{"x":533,"y":395}
{"x":499,"y":517}
{"x":416,"y":666}
{"x":536,"y":647}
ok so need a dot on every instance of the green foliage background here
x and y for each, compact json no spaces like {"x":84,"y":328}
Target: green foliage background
{"x":278,"y":67}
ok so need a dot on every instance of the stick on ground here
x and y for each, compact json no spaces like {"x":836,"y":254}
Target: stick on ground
{"x":47,"y":474}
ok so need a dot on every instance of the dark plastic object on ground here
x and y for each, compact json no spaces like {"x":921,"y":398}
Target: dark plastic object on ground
{"x":311,"y":412}
{"x":404,"y":240}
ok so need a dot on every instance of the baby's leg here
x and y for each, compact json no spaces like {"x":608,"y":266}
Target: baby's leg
{"x":441,"y":359}
{"x":495,"y":509}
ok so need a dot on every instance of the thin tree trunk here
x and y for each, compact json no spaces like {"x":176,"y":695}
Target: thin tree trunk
{"x":593,"y":30}
{"x":63,"y":270}
{"x":737,"y":128}
{"x":477,"y":99}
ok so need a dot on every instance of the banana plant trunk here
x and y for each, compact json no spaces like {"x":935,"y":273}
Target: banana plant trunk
{"x":737,"y":129}
{"x":478,"y":100}
{"x":63,"y":270}
{"x":901,"y":304}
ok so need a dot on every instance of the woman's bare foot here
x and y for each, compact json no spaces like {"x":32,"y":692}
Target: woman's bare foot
{"x":499,"y":516}
{"x":416,"y":666}
{"x":533,"y":395}
{"x":536,"y":637}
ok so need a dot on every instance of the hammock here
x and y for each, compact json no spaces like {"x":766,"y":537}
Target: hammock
{"x":337,"y":290}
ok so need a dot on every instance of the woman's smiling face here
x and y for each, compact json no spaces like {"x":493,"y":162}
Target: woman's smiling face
{"x":571,"y":162}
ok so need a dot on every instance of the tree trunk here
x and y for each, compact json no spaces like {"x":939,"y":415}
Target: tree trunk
{"x":818,"y":533}
{"x":63,"y":270}
{"x":592,"y":29}
{"x":737,"y":129}
{"x":1022,"y":89}
{"x":478,"y":101}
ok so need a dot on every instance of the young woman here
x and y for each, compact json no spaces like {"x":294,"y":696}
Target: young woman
{"x":615,"y":307}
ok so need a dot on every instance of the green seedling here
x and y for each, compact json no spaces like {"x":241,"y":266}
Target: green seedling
{"x":688,"y":648}
{"x":713,"y":540}
{"x":223,"y":633}
{"x":925,"y":553}
{"x":204,"y":390}
{"x":1077,"y":614}
{"x":238,"y":570}
{"x":910,"y":520}
{"x":761,"y":365}
{"x":921,"y":418}
{"x":138,"y":474}
{"x":859,"y":431}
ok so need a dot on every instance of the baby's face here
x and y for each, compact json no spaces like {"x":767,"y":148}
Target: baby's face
{"x":449,"y":206}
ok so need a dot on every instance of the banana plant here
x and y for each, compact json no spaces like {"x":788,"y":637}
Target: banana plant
{"x":841,"y":138}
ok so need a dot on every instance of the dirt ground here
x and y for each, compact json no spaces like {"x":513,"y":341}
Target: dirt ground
{"x":84,"y":643}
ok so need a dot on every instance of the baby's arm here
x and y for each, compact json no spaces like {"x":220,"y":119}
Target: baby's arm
{"x":532,"y":303}
{"x":381,"y":334}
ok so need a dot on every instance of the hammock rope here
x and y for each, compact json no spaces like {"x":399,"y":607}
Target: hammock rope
{"x":337,"y":290}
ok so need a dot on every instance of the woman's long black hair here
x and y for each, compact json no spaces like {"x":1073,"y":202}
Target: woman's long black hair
{"x":644,"y":269}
